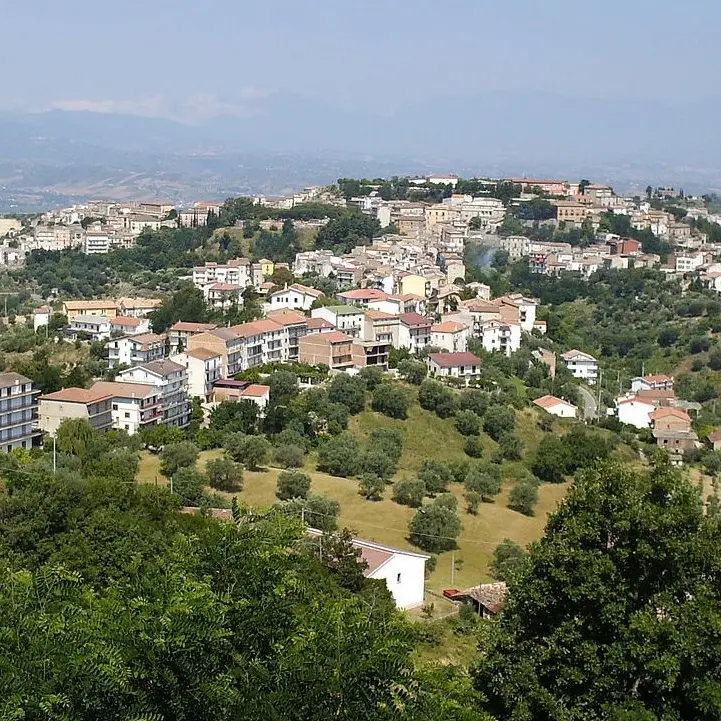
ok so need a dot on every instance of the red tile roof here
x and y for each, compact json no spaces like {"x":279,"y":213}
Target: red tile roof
{"x":364,"y":294}
{"x":185,"y":327}
{"x":550,"y":401}
{"x":452,"y":360}
{"x":449,"y":326}
{"x":415,"y":319}
{"x":255,"y":390}
{"x":670,"y":413}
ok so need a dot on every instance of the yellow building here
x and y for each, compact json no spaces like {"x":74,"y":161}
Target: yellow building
{"x":74,"y":308}
{"x":413,"y":284}
{"x":267,"y":267}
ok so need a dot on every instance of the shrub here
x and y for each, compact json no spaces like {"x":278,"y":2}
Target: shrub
{"x":388,"y":441}
{"x":293,"y":484}
{"x":510,"y":447}
{"x":372,"y":376}
{"x":224,"y":475}
{"x":349,"y":392}
{"x":409,"y":492}
{"x":485,"y":480}
{"x":524,"y":496}
{"x":435,"y":528}
{"x":177,"y":456}
{"x":371,"y":487}
{"x":252,"y":451}
{"x":340,"y":456}
{"x":414,"y":371}
{"x":474,"y":400}
{"x":378,"y":464}
{"x":435,"y":475}
{"x":498,"y":421}
{"x":507,"y":560}
{"x":473,"y":447}
{"x":468,"y":423}
{"x":391,"y":400}
{"x":473,"y":500}
{"x":434,"y":396}
{"x":188,"y":485}
{"x":290,"y":456}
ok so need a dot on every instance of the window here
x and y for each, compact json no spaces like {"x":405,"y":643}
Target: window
{"x":398,"y":578}
{"x":127,"y":414}
{"x":115,"y":406}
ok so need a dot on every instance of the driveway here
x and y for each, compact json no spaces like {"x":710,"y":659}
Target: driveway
{"x":589,"y":402}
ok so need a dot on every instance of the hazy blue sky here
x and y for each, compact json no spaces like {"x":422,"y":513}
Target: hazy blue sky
{"x":188,"y":57}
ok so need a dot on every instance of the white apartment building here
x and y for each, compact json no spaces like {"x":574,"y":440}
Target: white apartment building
{"x":127,"y":325}
{"x":135,"y":349}
{"x":582,"y":365}
{"x":450,"y":336}
{"x":237,"y":272}
{"x":97,"y":242}
{"x":96,"y":326}
{"x":346,"y":318}
{"x":18,"y":412}
{"x":203,"y":368}
{"x":171,"y":379}
{"x":500,"y":337}
{"x":263,"y":341}
{"x":133,"y":405}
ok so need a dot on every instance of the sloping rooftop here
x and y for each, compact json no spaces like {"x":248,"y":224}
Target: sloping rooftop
{"x":549,"y":401}
{"x":452,"y":360}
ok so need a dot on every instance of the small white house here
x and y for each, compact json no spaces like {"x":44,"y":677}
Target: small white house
{"x":652,"y":383}
{"x":95,"y":326}
{"x":454,"y":365}
{"x":296,"y":296}
{"x":403,"y":571}
{"x":557,"y":406}
{"x":634,"y":411}
{"x":582,"y":365}
{"x":450,"y":335}
{"x":41,"y":317}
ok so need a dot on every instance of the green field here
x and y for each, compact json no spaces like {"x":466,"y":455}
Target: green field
{"x":425,"y":436}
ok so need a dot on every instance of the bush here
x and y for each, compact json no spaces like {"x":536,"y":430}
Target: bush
{"x":468,"y":423}
{"x":473,"y":447}
{"x":251,"y":451}
{"x":224,"y":475}
{"x":322,"y":512}
{"x":473,"y":500}
{"x":498,"y":421}
{"x":371,"y":487}
{"x":474,"y":400}
{"x":435,"y":475}
{"x":507,"y":560}
{"x":177,"y":456}
{"x":414,"y":371}
{"x":388,"y":441}
{"x":293,"y":484}
{"x":391,"y":400}
{"x":524,"y":497}
{"x":485,"y":480}
{"x":340,"y":456}
{"x":290,"y":456}
{"x":435,"y":528}
{"x":372,"y":376}
{"x":434,"y":396}
{"x":188,"y":485}
{"x":378,"y":464}
{"x":349,"y":392}
{"x":510,"y":447}
{"x":409,"y":492}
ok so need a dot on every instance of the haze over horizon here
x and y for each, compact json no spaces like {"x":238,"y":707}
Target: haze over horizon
{"x":181,"y":93}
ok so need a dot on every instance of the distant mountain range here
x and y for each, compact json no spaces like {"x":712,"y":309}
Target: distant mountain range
{"x":292,"y":141}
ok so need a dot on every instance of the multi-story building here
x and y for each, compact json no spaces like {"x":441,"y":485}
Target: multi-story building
{"x":134,"y":349}
{"x":296,"y":325}
{"x":73,"y":308}
{"x":225,"y":341}
{"x":97,"y":242}
{"x":346,"y":318}
{"x":179,"y":334}
{"x":127,"y":325}
{"x":501,"y":337}
{"x":265,"y":341}
{"x":236,"y":272}
{"x":582,"y":365}
{"x":138,"y":307}
{"x":451,"y":336}
{"x":171,"y":379}
{"x":340,"y":352}
{"x":221,"y":296}
{"x":203,"y":367}
{"x":93,"y":406}
{"x":18,"y":412}
{"x":414,"y":332}
{"x":94,"y":327}
{"x":465,"y":366}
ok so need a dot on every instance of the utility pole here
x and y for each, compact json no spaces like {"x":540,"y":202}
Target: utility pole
{"x":453,"y":569}
{"x":619,"y":382}
{"x":600,"y":383}
{"x":55,"y":455}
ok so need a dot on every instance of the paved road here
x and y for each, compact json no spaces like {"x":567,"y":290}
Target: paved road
{"x":589,"y":402}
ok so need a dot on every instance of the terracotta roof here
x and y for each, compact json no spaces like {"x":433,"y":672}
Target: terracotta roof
{"x":84,"y":304}
{"x":478,"y":305}
{"x":76,"y":395}
{"x":307,"y":290}
{"x":491,"y":596}
{"x":574,"y":354}
{"x":635,"y":399}
{"x":120,"y":389}
{"x":255,"y":390}
{"x":146,"y":339}
{"x":661,"y":378}
{"x":8,"y":380}
{"x":449,"y":326}
{"x":162,"y":367}
{"x":451,"y":360}
{"x":332,"y":337}
{"x":287,"y":316}
{"x":225,"y":334}
{"x":670,"y":413}
{"x":186,"y":327}
{"x":224,"y":287}
{"x":415,"y":319}
{"x":126,"y":321}
{"x":651,"y":394}
{"x":316,"y":323}
{"x":379,"y":315}
{"x":256,"y":327}
{"x":202,"y":353}
{"x":364,"y":294}
{"x":550,"y":401}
